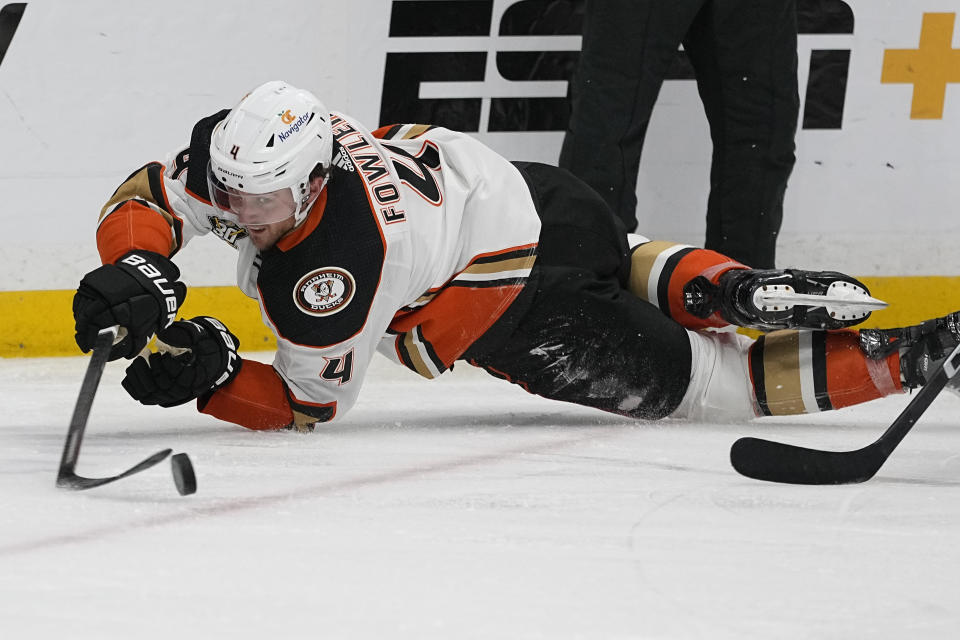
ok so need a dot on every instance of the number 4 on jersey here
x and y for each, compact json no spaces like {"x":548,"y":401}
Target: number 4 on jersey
{"x":339,"y":369}
{"x":415,"y":170}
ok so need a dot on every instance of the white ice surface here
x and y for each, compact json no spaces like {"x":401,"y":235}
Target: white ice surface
{"x":465,"y":508}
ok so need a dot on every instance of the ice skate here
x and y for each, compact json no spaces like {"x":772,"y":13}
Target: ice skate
{"x":922,"y":347}
{"x":772,"y":299}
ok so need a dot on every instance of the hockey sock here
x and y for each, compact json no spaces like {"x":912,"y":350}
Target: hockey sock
{"x":810,"y":371}
{"x":659,"y":271}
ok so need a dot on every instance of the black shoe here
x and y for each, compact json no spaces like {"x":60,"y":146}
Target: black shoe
{"x":922,"y":347}
{"x":771,"y":299}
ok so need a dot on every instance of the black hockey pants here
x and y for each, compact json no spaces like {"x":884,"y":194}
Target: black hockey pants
{"x":576,"y":334}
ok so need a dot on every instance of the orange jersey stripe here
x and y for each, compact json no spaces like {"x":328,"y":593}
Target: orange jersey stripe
{"x":255,"y":399}
{"x":456,"y":318}
{"x":133,"y":226}
{"x":384,"y":130}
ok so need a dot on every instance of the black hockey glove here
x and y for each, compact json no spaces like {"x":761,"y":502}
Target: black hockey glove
{"x":140,"y":293}
{"x":195,"y":357}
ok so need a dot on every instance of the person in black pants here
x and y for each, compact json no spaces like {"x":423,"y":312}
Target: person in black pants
{"x":744,"y":53}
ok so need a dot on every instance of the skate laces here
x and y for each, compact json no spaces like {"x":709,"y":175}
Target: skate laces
{"x":951,"y":322}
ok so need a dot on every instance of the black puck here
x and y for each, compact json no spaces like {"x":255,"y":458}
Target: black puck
{"x":183,"y":475}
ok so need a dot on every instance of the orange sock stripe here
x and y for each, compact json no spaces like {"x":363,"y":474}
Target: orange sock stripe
{"x":256,"y":399}
{"x":852,"y":378}
{"x":699,"y":262}
{"x":660,"y":270}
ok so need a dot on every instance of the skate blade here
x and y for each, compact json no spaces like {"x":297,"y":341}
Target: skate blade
{"x":843,"y":300}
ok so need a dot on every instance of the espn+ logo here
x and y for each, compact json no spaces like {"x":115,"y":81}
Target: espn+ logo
{"x":448,"y":64}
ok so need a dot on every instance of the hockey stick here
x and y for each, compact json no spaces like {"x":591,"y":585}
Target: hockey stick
{"x":66,"y":477}
{"x":779,"y":462}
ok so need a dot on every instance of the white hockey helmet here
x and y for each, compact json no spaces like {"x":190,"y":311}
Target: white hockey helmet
{"x":268,"y":145}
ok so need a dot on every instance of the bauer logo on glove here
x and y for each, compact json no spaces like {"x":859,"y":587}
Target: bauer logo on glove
{"x":141,"y":293}
{"x":194,"y":357}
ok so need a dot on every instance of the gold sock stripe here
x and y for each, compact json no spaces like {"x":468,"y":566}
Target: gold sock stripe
{"x":40,"y":323}
{"x":643,"y":260}
{"x":781,"y":373}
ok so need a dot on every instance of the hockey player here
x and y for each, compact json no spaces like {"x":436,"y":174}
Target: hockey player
{"x":424,"y":244}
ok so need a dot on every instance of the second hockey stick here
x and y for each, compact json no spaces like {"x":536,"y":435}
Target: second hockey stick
{"x":779,"y":462}
{"x":66,"y":476}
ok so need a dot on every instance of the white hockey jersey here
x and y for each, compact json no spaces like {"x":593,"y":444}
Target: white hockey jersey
{"x":421,"y":240}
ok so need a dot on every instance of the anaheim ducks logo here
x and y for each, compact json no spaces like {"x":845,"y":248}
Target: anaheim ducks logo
{"x":324,"y":291}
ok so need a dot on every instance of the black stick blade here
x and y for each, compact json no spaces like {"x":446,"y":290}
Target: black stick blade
{"x":67,"y":479}
{"x":778,"y":462}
